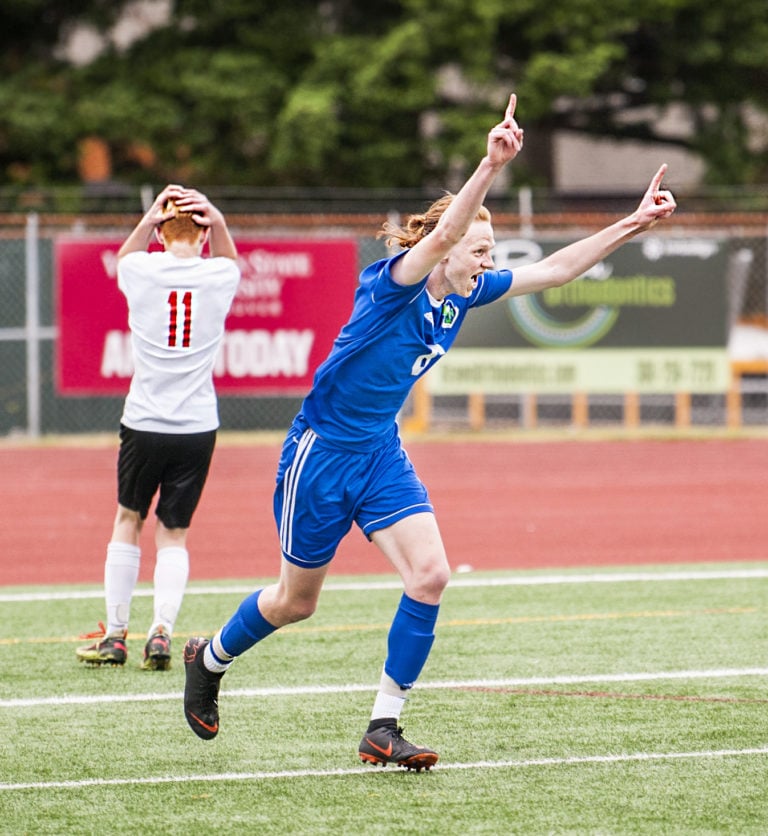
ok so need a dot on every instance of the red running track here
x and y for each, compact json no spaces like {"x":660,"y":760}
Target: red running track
{"x":500,"y":505}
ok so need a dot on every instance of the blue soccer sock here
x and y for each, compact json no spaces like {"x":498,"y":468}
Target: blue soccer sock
{"x":246,"y":627}
{"x":410,"y":640}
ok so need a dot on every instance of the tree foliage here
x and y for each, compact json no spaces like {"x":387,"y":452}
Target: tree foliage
{"x":380,"y":93}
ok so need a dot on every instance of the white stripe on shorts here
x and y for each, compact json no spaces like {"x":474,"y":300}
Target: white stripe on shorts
{"x":290,"y":486}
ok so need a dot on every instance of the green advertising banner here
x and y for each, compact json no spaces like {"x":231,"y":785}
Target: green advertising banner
{"x":563,"y":371}
{"x":652,"y":317}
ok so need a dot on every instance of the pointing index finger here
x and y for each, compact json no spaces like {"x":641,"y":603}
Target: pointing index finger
{"x":658,"y":177}
{"x":510,"y":112}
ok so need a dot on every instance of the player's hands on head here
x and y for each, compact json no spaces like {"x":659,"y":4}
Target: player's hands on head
{"x":186,"y":200}
{"x":157,"y":212}
{"x":203,"y":211}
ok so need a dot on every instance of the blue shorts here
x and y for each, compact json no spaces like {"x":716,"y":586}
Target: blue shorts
{"x":322,"y":489}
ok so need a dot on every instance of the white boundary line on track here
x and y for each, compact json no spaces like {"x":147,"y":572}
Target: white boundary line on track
{"x":366,"y":770}
{"x":303,"y":690}
{"x":460,"y":581}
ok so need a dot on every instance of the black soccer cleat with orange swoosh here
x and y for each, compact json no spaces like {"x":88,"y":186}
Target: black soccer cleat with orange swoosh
{"x":384,"y":743}
{"x":201,"y":692}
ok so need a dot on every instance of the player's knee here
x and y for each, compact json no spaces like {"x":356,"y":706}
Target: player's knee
{"x":439,"y":578}
{"x":290,"y":607}
{"x":127,"y":525}
{"x":284,"y":603}
{"x":430,"y":580}
{"x":300,"y":609}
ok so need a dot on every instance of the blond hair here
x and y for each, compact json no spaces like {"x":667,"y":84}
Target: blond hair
{"x":417,"y":226}
{"x":181,"y":227}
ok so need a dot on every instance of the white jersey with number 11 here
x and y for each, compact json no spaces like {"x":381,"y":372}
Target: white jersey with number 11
{"x":176,"y":313}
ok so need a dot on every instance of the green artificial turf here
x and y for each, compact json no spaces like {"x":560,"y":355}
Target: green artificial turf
{"x":628,"y":702}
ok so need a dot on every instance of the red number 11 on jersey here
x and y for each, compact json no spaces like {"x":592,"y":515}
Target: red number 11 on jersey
{"x":173,"y":302}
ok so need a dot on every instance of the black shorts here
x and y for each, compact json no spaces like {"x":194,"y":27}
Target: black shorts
{"x":176,"y":464}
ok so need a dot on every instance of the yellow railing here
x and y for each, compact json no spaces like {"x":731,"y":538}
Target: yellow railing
{"x":421,"y":417}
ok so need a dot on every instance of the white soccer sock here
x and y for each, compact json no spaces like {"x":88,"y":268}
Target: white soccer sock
{"x":215,"y":658}
{"x":390,"y":699}
{"x":121,"y":571}
{"x":171,"y":574}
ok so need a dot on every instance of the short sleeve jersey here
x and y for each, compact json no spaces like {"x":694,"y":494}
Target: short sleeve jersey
{"x":176,"y":313}
{"x":394,"y":335}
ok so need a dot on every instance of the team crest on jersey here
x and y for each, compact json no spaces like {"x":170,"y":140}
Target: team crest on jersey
{"x":448,"y":314}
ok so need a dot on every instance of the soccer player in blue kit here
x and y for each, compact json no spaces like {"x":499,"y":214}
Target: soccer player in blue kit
{"x":342,"y":461}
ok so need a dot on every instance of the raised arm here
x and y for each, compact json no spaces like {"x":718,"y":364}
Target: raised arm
{"x":573,"y":261}
{"x":504,"y":143}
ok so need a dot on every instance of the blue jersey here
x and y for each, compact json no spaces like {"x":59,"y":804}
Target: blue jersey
{"x":394,"y":335}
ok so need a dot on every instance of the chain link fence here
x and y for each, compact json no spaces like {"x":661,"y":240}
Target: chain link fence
{"x":31,"y":405}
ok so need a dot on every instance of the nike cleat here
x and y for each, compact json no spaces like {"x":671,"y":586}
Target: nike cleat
{"x":108,"y":650}
{"x":157,"y":652}
{"x":201,"y":692}
{"x":384,"y":743}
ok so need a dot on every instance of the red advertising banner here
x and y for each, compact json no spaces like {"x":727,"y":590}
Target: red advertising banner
{"x":293,"y":297}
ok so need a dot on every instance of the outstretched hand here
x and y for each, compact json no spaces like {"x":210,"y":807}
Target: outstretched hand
{"x":505,"y":140}
{"x":657,"y":203}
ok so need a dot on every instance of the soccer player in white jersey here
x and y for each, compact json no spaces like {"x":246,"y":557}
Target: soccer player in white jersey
{"x":177,"y":303}
{"x":342,"y":461}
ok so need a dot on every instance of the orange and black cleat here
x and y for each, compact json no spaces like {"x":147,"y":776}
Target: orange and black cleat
{"x":201,"y":692}
{"x":384,"y":743}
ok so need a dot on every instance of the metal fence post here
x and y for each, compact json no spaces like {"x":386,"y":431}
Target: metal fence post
{"x":32,"y":335}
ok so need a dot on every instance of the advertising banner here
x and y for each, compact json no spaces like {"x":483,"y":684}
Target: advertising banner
{"x":293,"y":298}
{"x":652,"y":317}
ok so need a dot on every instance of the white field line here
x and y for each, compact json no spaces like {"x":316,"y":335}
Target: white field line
{"x":304,"y":690}
{"x":456,"y":582}
{"x":366,"y":770}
